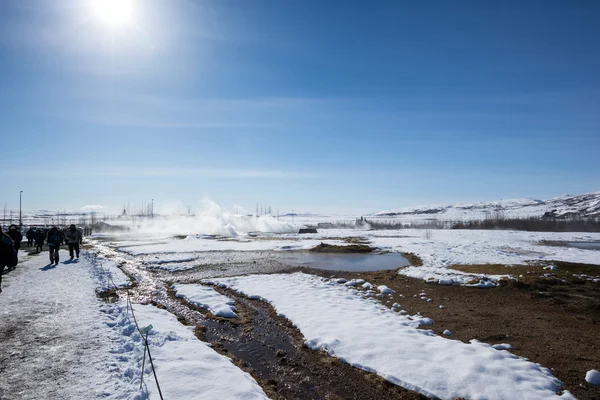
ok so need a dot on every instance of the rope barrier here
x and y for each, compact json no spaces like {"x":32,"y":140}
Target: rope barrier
{"x":143,"y":335}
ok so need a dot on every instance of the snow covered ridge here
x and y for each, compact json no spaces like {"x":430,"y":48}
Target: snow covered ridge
{"x":334,"y":317}
{"x":584,"y":205}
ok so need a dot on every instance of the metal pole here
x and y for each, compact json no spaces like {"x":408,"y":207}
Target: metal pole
{"x":152,"y":208}
{"x":20,"y":209}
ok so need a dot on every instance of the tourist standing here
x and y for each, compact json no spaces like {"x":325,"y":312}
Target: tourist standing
{"x":73,"y":237}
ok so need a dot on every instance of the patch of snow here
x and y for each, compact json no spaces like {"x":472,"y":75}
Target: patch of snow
{"x":415,"y":359}
{"x":593,"y":377}
{"x":383,"y":289}
{"x":208,"y":298}
{"x":186,"y":366}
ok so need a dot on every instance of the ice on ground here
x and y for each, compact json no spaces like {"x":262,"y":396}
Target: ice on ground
{"x":109,"y":274}
{"x":593,"y":377}
{"x":370,"y":336}
{"x":208,"y":298}
{"x":173,"y":267}
{"x":171,"y":258}
{"x":447,"y":332}
{"x":199,"y":244}
{"x":502,"y":346}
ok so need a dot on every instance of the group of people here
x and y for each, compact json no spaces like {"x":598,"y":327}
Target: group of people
{"x":10,"y":243}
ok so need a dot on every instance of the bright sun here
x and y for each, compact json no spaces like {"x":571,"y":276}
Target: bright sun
{"x":114,"y":13}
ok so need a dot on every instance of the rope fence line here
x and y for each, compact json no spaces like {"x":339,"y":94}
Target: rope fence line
{"x":143,"y":333}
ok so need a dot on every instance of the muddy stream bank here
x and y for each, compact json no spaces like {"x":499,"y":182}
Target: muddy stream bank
{"x":258,"y":341}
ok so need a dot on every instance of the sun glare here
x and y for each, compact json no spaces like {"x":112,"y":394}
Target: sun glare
{"x":113,"y":12}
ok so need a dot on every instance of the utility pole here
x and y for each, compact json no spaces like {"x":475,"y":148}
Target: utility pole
{"x":152,"y":208}
{"x":293,"y":216}
{"x":20,"y":210}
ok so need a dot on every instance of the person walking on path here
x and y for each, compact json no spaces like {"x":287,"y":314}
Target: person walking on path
{"x":16,"y":237}
{"x":54,"y":239}
{"x":40,"y":236}
{"x":30,"y":235}
{"x":73,"y":237}
{"x":8,"y":255}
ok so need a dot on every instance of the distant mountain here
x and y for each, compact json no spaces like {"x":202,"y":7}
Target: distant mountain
{"x":583,"y":205}
{"x":298,"y":215}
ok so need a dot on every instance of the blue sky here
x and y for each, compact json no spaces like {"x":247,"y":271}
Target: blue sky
{"x":330,"y":107}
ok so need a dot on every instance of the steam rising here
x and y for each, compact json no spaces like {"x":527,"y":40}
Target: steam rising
{"x":209,"y":220}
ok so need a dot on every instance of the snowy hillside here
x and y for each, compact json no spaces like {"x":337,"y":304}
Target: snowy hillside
{"x":584,"y":205}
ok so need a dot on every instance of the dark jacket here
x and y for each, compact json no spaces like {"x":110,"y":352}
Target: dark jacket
{"x":30,"y":234}
{"x":8,"y":255}
{"x":40,"y":236}
{"x":55,"y":238}
{"x":16,"y":236}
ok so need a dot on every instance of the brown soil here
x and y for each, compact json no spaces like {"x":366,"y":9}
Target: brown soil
{"x":352,"y":248}
{"x":272,"y":350}
{"x":546,"y":320}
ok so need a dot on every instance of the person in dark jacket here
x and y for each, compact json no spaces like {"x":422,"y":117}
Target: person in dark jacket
{"x":54,"y":239}
{"x":40,"y":236}
{"x":8,"y":255}
{"x":17,"y":238}
{"x":30,"y":235}
{"x":73,"y":237}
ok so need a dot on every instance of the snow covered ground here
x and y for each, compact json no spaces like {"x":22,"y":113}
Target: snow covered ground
{"x":59,"y":341}
{"x":438,"y":249}
{"x":587,"y":204}
{"x":367,"y":335}
{"x":55,"y":340}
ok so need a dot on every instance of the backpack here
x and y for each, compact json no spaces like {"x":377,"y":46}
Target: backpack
{"x":8,"y":252}
{"x":54,"y":239}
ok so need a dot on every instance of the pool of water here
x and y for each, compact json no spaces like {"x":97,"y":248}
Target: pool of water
{"x":585,"y":245}
{"x":346,"y":262}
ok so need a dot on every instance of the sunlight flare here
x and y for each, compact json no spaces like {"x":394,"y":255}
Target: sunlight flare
{"x":113,"y":13}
